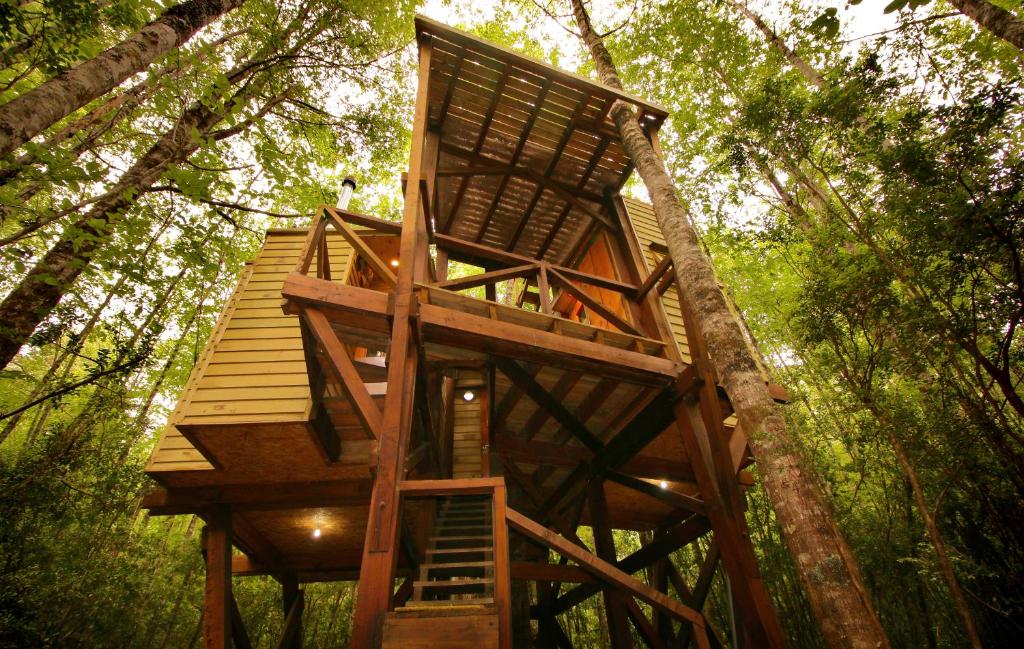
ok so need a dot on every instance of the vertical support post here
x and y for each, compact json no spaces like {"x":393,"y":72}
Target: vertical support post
{"x":614,"y":605}
{"x":379,"y":548}
{"x":544,"y":288}
{"x":217,"y":604}
{"x":502,"y":574}
{"x":289,"y":593}
{"x":485,"y":431}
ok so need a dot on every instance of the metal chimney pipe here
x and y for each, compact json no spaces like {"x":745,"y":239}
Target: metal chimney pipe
{"x":345,"y":195}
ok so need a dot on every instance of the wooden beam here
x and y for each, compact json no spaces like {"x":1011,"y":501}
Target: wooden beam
{"x":309,"y":246}
{"x":593,"y":304}
{"x":647,"y":631}
{"x":480,"y":254}
{"x":348,"y":377}
{"x":522,"y":379}
{"x":534,"y":571}
{"x":480,"y":279}
{"x":257,"y":497}
{"x":366,"y":252}
{"x":663,"y":544}
{"x":379,"y":546}
{"x":238,"y":633}
{"x":663,"y":267}
{"x":668,"y":496}
{"x":356,"y":307}
{"x":292,"y":631}
{"x":595,"y":158}
{"x":372,"y":222}
{"x":458,"y":487}
{"x":217,"y":603}
{"x":467,"y":331}
{"x":603,"y":570}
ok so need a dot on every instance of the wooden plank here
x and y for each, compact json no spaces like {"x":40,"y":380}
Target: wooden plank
{"x":502,"y":579}
{"x":257,"y":497}
{"x":463,"y":487}
{"x":603,"y":570}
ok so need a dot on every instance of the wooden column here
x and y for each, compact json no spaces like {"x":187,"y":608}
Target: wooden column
{"x":502,"y":572}
{"x":289,"y":593}
{"x":614,"y":604}
{"x":379,"y":548}
{"x":217,"y":607}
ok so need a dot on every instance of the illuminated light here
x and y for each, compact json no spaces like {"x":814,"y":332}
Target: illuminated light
{"x":664,"y":485}
{"x":316,"y":533}
{"x":394,"y":263}
{"x":468,"y":396}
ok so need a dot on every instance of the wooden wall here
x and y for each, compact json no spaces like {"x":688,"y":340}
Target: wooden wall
{"x":647,"y":231}
{"x":252,"y":369}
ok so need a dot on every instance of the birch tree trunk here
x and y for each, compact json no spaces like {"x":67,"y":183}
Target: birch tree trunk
{"x":832,"y":581}
{"x":23,"y":118}
{"x":813,"y":76}
{"x":997,"y":20}
{"x":43,"y":287}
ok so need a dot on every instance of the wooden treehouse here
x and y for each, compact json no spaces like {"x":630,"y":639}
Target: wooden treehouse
{"x":433,"y":407}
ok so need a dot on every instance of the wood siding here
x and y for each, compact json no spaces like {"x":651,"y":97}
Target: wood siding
{"x":252,"y":369}
{"x":641,"y":215}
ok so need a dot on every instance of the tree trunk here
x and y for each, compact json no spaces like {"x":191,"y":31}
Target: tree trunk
{"x":42,"y":288}
{"x":31,"y":113}
{"x":945,"y":565}
{"x":809,"y":73}
{"x":997,"y":20}
{"x":833,"y":583}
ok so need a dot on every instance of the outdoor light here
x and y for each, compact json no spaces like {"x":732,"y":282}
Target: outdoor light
{"x":468,"y":396}
{"x":394,"y":263}
{"x":316,"y":533}
{"x":664,"y":485}
{"x":316,"y":526}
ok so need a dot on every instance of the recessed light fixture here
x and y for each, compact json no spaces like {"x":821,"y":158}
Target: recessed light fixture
{"x":664,"y":485}
{"x":316,"y":533}
{"x":468,"y":396}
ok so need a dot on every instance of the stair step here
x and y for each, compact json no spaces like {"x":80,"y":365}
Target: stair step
{"x":476,"y":550}
{"x":475,"y":602}
{"x":463,"y":529}
{"x":457,"y":564}
{"x":435,"y":539}
{"x":460,"y":583}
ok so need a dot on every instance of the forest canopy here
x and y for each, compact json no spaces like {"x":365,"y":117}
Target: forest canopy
{"x":854,"y":170}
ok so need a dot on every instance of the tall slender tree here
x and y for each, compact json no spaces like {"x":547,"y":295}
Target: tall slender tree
{"x":831,"y":579}
{"x":29,"y":114}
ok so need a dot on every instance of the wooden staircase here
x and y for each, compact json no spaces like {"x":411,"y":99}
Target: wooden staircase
{"x":453,"y":601}
{"x":459,"y":566}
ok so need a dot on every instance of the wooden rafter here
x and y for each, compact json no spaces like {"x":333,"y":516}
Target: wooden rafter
{"x":481,"y":138}
{"x":552,"y":163}
{"x":566,"y":382}
{"x":664,"y":494}
{"x":523,"y":137}
{"x":522,"y":379}
{"x":560,"y":220}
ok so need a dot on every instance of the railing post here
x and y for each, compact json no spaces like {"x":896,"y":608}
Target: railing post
{"x":502,"y":575}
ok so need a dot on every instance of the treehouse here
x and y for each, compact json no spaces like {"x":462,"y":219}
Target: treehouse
{"x":433,"y":406}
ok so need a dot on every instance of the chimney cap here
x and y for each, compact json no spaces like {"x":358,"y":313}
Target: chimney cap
{"x":349,"y":180}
